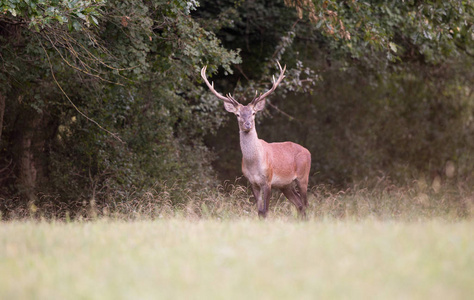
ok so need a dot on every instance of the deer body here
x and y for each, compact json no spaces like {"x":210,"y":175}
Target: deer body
{"x":270,"y":161}
{"x":266,"y":165}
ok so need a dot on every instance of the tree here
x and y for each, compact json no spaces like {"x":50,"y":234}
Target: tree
{"x":409,"y":62}
{"x":100,"y":100}
{"x":102,"y":96}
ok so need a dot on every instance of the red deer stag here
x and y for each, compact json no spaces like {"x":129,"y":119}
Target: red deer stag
{"x":268,"y":165}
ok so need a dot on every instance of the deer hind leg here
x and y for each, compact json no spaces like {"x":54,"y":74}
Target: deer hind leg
{"x":303,"y":166}
{"x":303,"y":191}
{"x":292,"y":195}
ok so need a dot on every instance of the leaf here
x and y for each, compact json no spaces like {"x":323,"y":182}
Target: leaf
{"x":81,"y":15}
{"x":94,"y":20}
{"x":393,"y":47}
{"x":77,"y":26}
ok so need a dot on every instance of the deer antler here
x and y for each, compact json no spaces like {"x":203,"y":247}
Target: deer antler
{"x":275,"y":84}
{"x":228,"y":98}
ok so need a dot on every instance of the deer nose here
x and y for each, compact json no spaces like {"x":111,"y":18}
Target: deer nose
{"x":248,"y":125}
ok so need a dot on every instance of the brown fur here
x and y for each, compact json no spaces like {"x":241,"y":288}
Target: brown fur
{"x":277,"y":165}
{"x":267,"y":165}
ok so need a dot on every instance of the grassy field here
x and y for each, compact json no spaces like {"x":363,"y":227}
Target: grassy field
{"x":242,"y":258}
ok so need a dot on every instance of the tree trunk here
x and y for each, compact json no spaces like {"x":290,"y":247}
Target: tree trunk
{"x":28,"y":153}
{"x":2,"y":112}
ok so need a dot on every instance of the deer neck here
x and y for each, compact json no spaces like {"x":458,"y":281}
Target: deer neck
{"x":250,"y":146}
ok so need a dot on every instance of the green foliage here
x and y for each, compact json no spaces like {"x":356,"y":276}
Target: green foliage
{"x":109,"y":97}
{"x":158,"y":115}
{"x":381,"y":98}
{"x":406,"y":126}
{"x":134,"y":75}
{"x":39,"y":14}
{"x":401,"y":29}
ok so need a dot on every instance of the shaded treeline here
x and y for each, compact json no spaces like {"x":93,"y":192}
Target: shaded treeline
{"x":102,"y":100}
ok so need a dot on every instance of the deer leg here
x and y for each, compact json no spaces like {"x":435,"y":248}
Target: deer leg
{"x":264,"y":200}
{"x":303,"y":166}
{"x":292,"y":195}
{"x":303,"y":191}
{"x":303,"y":200}
{"x":267,"y":194}
{"x":256,"y":192}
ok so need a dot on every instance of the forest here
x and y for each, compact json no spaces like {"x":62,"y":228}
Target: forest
{"x":102,"y":101}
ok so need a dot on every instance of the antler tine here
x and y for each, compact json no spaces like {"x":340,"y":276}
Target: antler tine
{"x":211,"y":87}
{"x":229,"y":95}
{"x":275,"y":84}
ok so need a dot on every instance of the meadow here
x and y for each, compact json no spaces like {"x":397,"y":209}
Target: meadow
{"x":392,"y":244}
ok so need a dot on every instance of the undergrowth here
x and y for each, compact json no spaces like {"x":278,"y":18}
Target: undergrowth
{"x":233,"y":201}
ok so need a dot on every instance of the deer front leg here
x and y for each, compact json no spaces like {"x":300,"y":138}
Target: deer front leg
{"x":257,"y":193}
{"x":263,"y":199}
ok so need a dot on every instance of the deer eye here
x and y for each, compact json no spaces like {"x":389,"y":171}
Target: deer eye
{"x":238,"y":115}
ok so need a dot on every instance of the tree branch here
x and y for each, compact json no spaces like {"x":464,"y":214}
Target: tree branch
{"x":115,"y":135}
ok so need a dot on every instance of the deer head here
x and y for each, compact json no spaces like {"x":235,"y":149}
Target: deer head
{"x":245,"y":113}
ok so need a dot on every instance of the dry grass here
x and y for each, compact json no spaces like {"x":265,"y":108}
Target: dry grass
{"x":234,"y":201}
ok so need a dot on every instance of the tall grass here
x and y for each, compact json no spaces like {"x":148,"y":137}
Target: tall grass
{"x":381,"y":200}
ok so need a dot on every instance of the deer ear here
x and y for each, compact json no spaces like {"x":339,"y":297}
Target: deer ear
{"x":260,"y":105}
{"x":230,"y":107}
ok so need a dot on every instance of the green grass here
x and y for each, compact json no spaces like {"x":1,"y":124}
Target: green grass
{"x":240,"y":258}
{"x":384,"y":242}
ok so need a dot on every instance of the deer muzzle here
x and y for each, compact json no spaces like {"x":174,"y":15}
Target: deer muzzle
{"x":247,"y":126}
